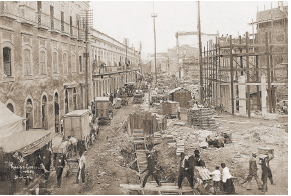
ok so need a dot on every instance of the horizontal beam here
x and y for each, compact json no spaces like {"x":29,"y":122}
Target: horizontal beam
{"x":250,"y":46}
{"x":252,"y":84}
{"x":153,"y":187}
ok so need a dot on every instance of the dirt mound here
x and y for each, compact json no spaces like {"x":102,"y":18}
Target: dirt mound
{"x":267,"y":135}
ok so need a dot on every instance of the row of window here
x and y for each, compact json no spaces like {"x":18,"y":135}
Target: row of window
{"x":27,"y":64}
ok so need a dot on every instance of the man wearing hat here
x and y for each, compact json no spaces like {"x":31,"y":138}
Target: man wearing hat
{"x":252,"y":173}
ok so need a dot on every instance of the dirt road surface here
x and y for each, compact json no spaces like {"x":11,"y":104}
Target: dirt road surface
{"x":106,"y":166}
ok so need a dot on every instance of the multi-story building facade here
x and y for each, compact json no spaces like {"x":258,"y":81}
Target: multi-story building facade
{"x":43,"y":73}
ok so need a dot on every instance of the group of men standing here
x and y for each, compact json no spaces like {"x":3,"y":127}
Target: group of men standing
{"x":187,"y":165}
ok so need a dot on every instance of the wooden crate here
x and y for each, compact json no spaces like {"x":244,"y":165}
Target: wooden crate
{"x":170,"y":107}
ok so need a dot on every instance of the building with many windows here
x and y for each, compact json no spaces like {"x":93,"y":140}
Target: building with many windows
{"x":43,"y":73}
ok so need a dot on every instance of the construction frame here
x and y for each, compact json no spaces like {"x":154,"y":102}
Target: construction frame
{"x":223,"y":84}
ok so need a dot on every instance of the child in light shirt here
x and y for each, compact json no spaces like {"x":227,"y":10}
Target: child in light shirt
{"x":216,"y":180}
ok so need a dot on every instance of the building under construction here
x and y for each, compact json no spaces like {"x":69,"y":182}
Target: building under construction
{"x":249,"y":72}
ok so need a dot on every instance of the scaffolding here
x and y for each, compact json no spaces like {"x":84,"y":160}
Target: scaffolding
{"x":231,"y":65}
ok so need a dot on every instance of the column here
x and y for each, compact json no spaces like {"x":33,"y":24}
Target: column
{"x":103,"y":58}
{"x":264,"y":95}
{"x":242,"y":95}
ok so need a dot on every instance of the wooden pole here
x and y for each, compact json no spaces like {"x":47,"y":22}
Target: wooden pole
{"x":212,"y":70}
{"x":207,"y":90}
{"x":219,"y":72}
{"x":272,"y":77}
{"x":216,"y":42}
{"x":248,"y":76}
{"x":200,"y":56}
{"x":205,"y":73}
{"x":231,"y":75}
{"x":241,"y":59}
{"x":258,"y":88}
{"x":268,"y":73}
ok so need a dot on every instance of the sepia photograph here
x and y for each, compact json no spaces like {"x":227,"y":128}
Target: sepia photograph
{"x":143,"y":97}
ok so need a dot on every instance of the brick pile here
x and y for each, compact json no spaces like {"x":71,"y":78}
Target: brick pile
{"x":201,"y":118}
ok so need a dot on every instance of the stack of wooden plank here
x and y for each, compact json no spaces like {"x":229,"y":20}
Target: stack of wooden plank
{"x":170,"y":140}
{"x":141,"y":160}
{"x":157,"y":138}
{"x":204,"y":173}
{"x":138,"y":139}
{"x":180,"y":147}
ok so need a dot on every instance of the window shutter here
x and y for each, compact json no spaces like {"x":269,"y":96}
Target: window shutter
{"x":42,"y":62}
{"x":27,"y":70}
{"x":7,"y":68}
{"x":7,"y":61}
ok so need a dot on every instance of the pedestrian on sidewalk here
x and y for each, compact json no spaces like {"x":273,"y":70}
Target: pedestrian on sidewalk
{"x":216,"y":180}
{"x":252,"y":173}
{"x":81,"y":169}
{"x":59,"y":165}
{"x":228,"y":186}
{"x":151,"y":170}
{"x":185,"y":171}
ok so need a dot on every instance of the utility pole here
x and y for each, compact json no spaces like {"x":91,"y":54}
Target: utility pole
{"x":200,"y":55}
{"x":154,"y":15}
{"x":87,"y":23}
{"x":126,"y":59}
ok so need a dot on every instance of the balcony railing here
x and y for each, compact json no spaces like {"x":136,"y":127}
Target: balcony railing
{"x":73,"y":32}
{"x":55,"y":25}
{"x":9,"y":10}
{"x":65,"y":29}
{"x":108,"y":69}
{"x":27,"y":15}
{"x":43,"y":21}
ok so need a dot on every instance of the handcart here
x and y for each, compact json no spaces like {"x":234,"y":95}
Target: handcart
{"x":73,"y":164}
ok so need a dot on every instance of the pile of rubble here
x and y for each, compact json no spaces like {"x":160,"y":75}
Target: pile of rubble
{"x":268,"y":135}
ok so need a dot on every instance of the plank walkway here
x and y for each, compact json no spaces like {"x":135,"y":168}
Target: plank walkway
{"x":162,"y":189}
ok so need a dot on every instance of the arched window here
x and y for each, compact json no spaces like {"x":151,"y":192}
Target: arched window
{"x":7,"y":61}
{"x":66,"y":102}
{"x":75,"y":98}
{"x":43,"y":112}
{"x":29,"y":114}
{"x":73,"y":63}
{"x":65,"y":63}
{"x":56,"y":109}
{"x":27,"y":65}
{"x":10,"y":107}
{"x":42,"y":62}
{"x":81,"y":98}
{"x":55,"y":62}
{"x":80,"y":63}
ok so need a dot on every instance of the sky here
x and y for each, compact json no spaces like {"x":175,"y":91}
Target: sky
{"x":132,"y":19}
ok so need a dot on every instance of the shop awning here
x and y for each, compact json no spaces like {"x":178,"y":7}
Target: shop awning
{"x":26,"y":142}
{"x":10,"y":123}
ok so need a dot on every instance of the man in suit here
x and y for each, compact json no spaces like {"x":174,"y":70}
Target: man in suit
{"x":185,"y":171}
{"x":59,"y":165}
